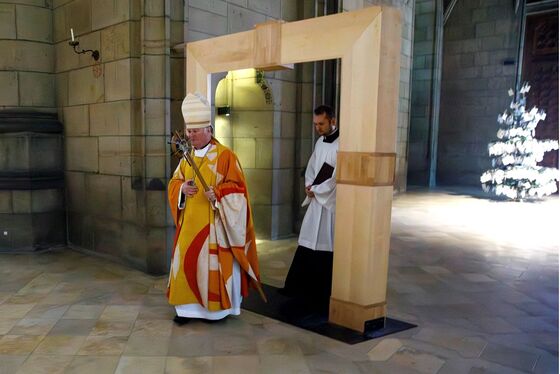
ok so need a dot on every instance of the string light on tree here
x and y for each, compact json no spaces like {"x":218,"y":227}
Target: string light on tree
{"x":515,"y":155}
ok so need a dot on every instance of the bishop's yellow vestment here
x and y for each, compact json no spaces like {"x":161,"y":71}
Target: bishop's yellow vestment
{"x":214,"y":258}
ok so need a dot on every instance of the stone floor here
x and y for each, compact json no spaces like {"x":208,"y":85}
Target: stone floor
{"x":479,"y":277}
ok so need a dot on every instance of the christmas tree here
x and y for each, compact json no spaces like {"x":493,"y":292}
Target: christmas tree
{"x":515,"y":155}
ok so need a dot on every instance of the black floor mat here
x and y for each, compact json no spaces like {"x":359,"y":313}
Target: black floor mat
{"x":314,"y":317}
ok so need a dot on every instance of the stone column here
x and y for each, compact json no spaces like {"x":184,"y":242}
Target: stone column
{"x":31,"y":164}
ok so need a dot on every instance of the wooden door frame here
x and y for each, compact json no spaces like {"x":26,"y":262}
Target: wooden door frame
{"x":368,"y":43}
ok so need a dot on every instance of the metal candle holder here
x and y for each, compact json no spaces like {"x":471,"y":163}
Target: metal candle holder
{"x":94,"y":54}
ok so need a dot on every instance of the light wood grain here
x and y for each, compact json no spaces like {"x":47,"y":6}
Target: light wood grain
{"x":368,"y":43}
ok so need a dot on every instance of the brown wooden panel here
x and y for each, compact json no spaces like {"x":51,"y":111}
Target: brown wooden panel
{"x":366,"y":168}
{"x":540,"y":69}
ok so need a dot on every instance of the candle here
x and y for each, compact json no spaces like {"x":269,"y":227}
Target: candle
{"x":72,"y":33}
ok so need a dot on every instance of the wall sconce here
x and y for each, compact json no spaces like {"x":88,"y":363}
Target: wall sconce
{"x":74,"y":43}
{"x":224,"y":110}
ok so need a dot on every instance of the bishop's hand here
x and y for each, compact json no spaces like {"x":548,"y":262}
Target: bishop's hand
{"x":189,"y":188}
{"x":210,"y":194}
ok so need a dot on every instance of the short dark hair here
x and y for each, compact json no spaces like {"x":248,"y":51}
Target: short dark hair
{"x":324,"y":109}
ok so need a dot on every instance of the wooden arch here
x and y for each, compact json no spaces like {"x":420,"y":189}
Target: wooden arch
{"x":368,"y":43}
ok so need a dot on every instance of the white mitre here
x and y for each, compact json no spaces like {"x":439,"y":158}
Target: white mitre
{"x":196,"y":111}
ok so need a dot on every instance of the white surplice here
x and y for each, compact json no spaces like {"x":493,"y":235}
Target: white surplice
{"x":317,"y":229}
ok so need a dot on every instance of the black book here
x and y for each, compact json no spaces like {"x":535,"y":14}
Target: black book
{"x":325,"y":173}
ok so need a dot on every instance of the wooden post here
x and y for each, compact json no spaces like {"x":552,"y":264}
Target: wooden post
{"x":368,"y":43}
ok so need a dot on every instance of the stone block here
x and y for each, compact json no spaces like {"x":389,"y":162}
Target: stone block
{"x":37,"y":89}
{"x":179,"y":11}
{"x":271,"y":8}
{"x":135,"y":38}
{"x":156,"y":208}
{"x":155,"y":167}
{"x":193,"y":36}
{"x":84,"y":87}
{"x":155,"y":116}
{"x":241,"y":19}
{"x":207,"y":22}
{"x":118,"y":80}
{"x":282,"y":186}
{"x":9,"y":92}
{"x":245,"y":149}
{"x":76,"y":120}
{"x":108,"y":239}
{"x":214,"y":6}
{"x":81,"y":154}
{"x":247,"y":123}
{"x":264,"y":153}
{"x":21,"y":201}
{"x":115,"y":155}
{"x":154,"y":8}
{"x":289,"y":11}
{"x":133,"y":202}
{"x":7,"y":21}
{"x":282,"y":221}
{"x":137,"y":83}
{"x":44,"y":201}
{"x":115,"y":42}
{"x":305,"y":152}
{"x":154,"y":28}
{"x":485,"y":29}
{"x":34,"y":23}
{"x":249,"y":96}
{"x":104,"y":193}
{"x":288,"y":125}
{"x":223,"y":127}
{"x":259,"y":183}
{"x":284,"y":152}
{"x":262,"y":218}
{"x":155,"y":82}
{"x":26,"y":56}
{"x":490,"y":43}
{"x":156,"y":154}
{"x":76,"y":15}
{"x":228,"y":142}
{"x":66,"y":58}
{"x":111,"y":118}
{"x":241,"y":3}
{"x":306,"y":129}
{"x":61,"y":87}
{"x":177,"y":78}
{"x":178,"y":32}
{"x":158,"y":244}
{"x":46,"y":153}
{"x":80,"y":233}
{"x":177,"y":122}
{"x":76,"y":198}
{"x":350,"y":5}
{"x":109,"y":12}
{"x":6,"y":202}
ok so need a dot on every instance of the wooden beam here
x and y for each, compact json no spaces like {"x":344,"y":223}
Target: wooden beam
{"x":368,"y":43}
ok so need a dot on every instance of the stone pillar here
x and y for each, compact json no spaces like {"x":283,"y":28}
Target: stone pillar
{"x":31,"y":162}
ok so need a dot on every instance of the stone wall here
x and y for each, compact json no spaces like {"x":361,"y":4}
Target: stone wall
{"x":116,"y":115}
{"x":27,"y":59}
{"x":421,"y":95}
{"x":407,"y":20}
{"x":480,"y":47}
{"x":32,"y":212}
